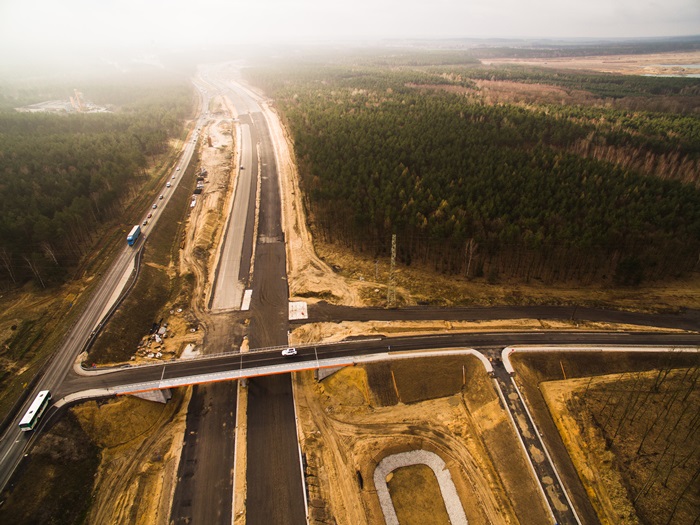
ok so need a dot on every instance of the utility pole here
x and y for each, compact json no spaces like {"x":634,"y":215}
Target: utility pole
{"x":391,"y":288}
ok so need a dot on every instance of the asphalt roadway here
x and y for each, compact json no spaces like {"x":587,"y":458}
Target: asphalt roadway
{"x":274,"y":478}
{"x":274,"y":483}
{"x":204,"y":489}
{"x":234,"y":264}
{"x":324,"y":312}
{"x":13,"y":442}
{"x":489,"y":343}
{"x":275,"y":493}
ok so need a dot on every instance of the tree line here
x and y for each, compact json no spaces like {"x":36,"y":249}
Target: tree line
{"x":489,"y":190}
{"x":63,"y":176}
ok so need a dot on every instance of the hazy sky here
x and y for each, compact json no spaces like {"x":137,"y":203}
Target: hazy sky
{"x":43,"y":25}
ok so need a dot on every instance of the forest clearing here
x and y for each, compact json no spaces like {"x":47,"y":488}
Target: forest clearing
{"x":631,"y":439}
{"x":650,"y":64}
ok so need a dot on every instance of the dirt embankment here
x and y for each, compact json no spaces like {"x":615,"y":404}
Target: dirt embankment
{"x":140,"y":444}
{"x":310,"y":278}
{"x":353,"y":419}
{"x":205,"y":224}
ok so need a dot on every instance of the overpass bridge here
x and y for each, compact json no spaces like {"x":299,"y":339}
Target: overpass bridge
{"x":231,"y":366}
{"x":232,"y":374}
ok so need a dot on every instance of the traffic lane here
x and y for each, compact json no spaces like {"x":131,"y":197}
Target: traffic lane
{"x":251,"y":171}
{"x":175,"y":176}
{"x":544,"y":470}
{"x":13,"y":439}
{"x":171,"y":370}
{"x":204,"y":490}
{"x":490,"y":341}
{"x":270,"y":214}
{"x":237,"y":239}
{"x":324,"y":312}
{"x":504,"y":339}
{"x":275,"y":482}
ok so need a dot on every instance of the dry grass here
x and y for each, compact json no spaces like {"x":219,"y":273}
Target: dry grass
{"x":416,"y":285}
{"x":416,"y":496}
{"x":630,"y":435}
{"x":65,"y":461}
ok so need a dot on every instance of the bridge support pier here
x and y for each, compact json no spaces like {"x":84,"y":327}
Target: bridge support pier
{"x":159,"y":396}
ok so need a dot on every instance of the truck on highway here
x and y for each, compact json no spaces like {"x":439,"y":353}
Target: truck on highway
{"x":133,"y":235}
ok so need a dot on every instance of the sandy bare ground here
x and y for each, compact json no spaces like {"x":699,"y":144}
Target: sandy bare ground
{"x":651,"y":64}
{"x":136,"y":478}
{"x":205,"y":225}
{"x":344,"y":436}
{"x":588,"y":452}
{"x":307,"y":274}
{"x":140,"y":445}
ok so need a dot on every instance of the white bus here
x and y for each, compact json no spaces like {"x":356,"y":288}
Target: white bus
{"x":35,"y":410}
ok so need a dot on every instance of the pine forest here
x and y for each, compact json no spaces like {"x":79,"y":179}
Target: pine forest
{"x":601,"y":186}
{"x":63,"y":176}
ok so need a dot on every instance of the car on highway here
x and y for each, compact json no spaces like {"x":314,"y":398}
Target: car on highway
{"x":289,"y":352}
{"x":173,"y":176}
{"x":145,"y":222}
{"x":178,"y":169}
{"x":149,"y":216}
{"x":161,"y":197}
{"x":155,"y":206}
{"x":168,"y":185}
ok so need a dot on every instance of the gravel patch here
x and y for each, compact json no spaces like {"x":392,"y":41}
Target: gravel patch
{"x":449,"y":493}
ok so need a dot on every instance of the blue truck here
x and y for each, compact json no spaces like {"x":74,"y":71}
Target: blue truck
{"x":133,"y":235}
